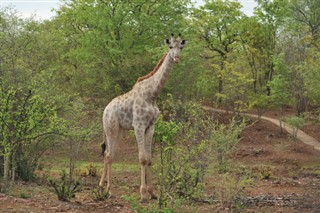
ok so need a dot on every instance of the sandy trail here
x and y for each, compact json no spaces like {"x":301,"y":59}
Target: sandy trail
{"x":301,"y":135}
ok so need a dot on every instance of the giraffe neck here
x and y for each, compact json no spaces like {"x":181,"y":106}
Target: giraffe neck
{"x":159,"y":79}
{"x":154,"y":70}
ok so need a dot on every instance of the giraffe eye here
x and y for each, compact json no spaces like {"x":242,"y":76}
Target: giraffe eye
{"x":170,"y":47}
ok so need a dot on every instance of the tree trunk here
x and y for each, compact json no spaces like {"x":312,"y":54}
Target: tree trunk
{"x":222,"y":66}
{"x":220,"y":89}
{"x":6,"y":167}
{"x":13,"y":168}
{"x":71,"y":162}
{"x":220,"y":80}
{"x":255,"y":86}
{"x":301,"y":105}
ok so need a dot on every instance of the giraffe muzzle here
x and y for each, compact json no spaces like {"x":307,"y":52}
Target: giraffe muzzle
{"x":176,"y":59}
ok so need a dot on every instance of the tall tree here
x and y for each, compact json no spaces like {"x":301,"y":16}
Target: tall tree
{"x":34,"y":107}
{"x":255,"y":49}
{"x":271,"y":14}
{"x":25,"y":115}
{"x":109,"y":41}
{"x":299,"y":37}
{"x":217,"y":22}
{"x":306,"y":13}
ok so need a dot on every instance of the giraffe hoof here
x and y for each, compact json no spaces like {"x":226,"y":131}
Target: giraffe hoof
{"x":101,"y":189}
{"x":154,"y":197}
{"x":143,"y":200}
{"x":111,"y":196}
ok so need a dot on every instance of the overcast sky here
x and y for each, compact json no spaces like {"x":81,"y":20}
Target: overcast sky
{"x":43,"y":8}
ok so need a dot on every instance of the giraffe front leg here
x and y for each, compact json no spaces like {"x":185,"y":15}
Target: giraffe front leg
{"x":143,"y":187}
{"x":148,"y":147}
{"x":150,"y":187}
{"x":139,"y":132}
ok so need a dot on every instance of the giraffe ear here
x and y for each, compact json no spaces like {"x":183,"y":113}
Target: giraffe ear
{"x":167,"y":41}
{"x":184,"y":42}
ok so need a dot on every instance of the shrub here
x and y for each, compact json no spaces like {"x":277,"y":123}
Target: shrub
{"x":25,"y":167}
{"x":185,"y":140}
{"x":24,"y":195}
{"x":296,"y":123}
{"x":134,"y":203}
{"x":183,"y":156}
{"x":262,"y":172}
{"x":65,"y":188}
{"x":229,"y":189}
{"x":99,"y":194}
{"x":223,"y":140}
{"x":261,"y":102}
{"x":92,"y":170}
{"x":313,"y":116}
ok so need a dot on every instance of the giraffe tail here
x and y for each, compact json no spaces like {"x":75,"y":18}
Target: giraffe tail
{"x":103,"y":145}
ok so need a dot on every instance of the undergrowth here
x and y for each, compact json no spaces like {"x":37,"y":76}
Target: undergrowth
{"x":187,"y":140}
{"x":65,"y":187}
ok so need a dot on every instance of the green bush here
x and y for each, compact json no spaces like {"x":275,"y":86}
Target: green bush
{"x":24,"y":195}
{"x":92,"y":170}
{"x":296,"y":123}
{"x":223,"y":140}
{"x":65,"y":188}
{"x":262,"y":172}
{"x":313,"y":116}
{"x":182,"y":140}
{"x":230,"y":188}
{"x":26,"y":167}
{"x":99,"y":194}
{"x":187,"y":139}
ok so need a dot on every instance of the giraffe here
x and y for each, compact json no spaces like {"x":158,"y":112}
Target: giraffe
{"x":137,"y":110}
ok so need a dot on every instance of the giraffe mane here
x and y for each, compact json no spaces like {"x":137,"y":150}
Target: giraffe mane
{"x":154,"y":70}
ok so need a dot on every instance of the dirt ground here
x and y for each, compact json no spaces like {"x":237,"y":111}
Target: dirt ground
{"x":289,"y":182}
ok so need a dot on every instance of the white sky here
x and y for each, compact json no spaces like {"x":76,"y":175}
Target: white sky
{"x":42,"y":9}
{"x":27,"y":8}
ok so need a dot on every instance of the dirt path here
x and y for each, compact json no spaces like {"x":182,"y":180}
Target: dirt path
{"x":301,"y":135}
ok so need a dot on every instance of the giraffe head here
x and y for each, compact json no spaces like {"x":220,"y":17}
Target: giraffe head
{"x":175,"y":46}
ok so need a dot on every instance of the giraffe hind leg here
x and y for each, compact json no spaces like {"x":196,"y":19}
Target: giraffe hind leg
{"x":111,"y":140}
{"x":105,"y":165}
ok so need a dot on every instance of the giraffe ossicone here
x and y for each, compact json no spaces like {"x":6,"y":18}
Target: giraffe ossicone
{"x":137,"y":110}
